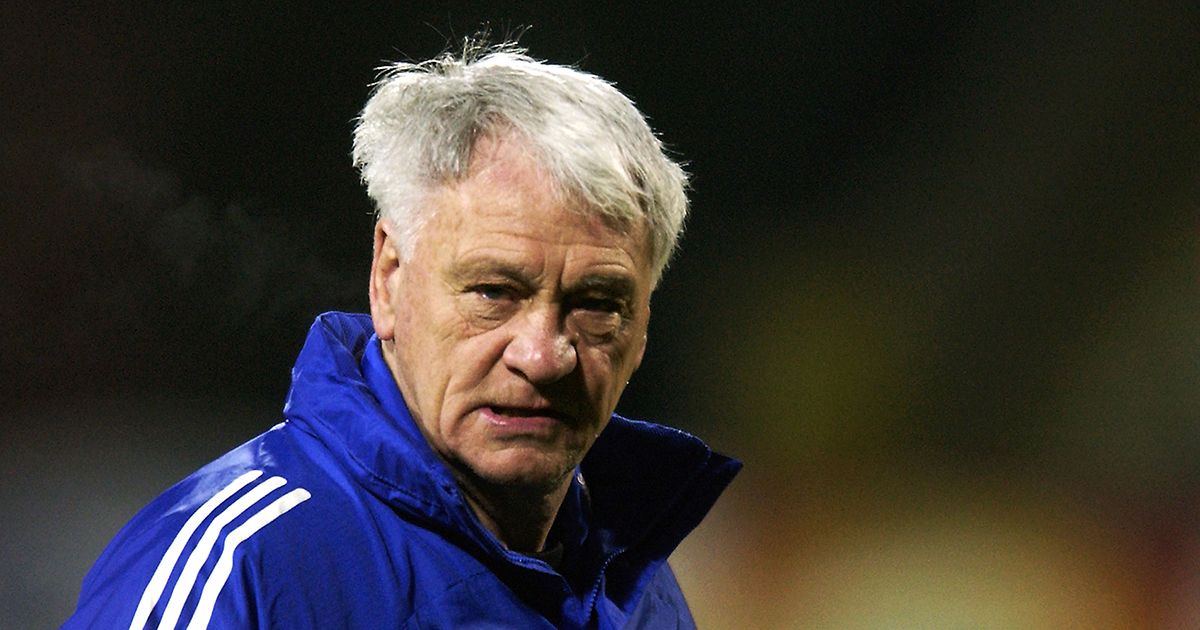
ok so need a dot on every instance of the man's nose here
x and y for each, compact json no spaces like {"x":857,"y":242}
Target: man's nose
{"x":540,"y":349}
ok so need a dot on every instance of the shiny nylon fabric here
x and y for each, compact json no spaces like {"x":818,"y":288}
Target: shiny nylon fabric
{"x":387,"y":540}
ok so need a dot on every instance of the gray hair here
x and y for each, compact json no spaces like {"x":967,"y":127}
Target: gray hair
{"x":422,"y":121}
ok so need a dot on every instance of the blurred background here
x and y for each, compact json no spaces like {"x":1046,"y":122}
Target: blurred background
{"x":939,"y":289}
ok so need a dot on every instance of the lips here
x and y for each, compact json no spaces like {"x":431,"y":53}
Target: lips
{"x":515,"y":420}
{"x":528,"y":412}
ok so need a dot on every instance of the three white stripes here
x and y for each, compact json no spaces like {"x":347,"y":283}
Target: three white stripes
{"x":195,"y":562}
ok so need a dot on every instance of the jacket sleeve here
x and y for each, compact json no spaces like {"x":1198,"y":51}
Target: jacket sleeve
{"x":112,"y":600}
{"x":192,"y":557}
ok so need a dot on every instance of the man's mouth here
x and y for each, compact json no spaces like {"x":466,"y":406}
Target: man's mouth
{"x":527,"y":412}
{"x":524,"y":419}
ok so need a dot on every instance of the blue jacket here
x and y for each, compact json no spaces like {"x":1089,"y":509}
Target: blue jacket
{"x":343,"y":517}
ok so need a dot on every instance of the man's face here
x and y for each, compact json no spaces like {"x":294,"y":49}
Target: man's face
{"x":516,"y":323}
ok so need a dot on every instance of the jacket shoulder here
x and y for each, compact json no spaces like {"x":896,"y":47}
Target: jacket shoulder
{"x":275,"y":533}
{"x":199,"y":548}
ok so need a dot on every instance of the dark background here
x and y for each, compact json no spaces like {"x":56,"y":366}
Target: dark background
{"x":939,"y":287}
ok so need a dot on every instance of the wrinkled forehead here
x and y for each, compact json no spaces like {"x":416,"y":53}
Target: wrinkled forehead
{"x":510,"y":162}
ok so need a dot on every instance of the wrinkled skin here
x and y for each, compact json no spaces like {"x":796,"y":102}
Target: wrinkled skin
{"x":512,"y":330}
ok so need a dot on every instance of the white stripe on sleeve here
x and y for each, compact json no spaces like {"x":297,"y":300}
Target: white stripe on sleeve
{"x":187,"y":579}
{"x":220,"y":573}
{"x":159,"y":580}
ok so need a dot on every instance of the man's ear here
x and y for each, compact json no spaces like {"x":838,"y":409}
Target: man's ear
{"x":385,"y":265}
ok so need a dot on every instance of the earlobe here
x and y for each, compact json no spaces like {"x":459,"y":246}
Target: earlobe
{"x":385,"y":263}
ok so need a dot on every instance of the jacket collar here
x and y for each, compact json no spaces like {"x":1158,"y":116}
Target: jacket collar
{"x":648,"y":485}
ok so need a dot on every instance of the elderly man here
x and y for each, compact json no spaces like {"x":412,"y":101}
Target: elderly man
{"x":453,"y":460}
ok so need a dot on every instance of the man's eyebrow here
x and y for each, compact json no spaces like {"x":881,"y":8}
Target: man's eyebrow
{"x":619,"y":286}
{"x":474,"y":270}
{"x":468,"y":271}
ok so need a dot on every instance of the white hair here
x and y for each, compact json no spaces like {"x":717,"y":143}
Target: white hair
{"x":423,"y":120}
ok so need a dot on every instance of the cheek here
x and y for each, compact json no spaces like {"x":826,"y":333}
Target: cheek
{"x":466,"y":367}
{"x":605,"y":371}
{"x":425,"y":335}
{"x":476,"y":355}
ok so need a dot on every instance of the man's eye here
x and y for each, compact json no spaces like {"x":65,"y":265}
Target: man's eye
{"x":600,"y":305}
{"x":492,"y":292}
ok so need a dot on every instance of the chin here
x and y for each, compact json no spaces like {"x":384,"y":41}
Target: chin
{"x":525,"y":467}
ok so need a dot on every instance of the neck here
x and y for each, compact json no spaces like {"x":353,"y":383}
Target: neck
{"x":520,"y":517}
